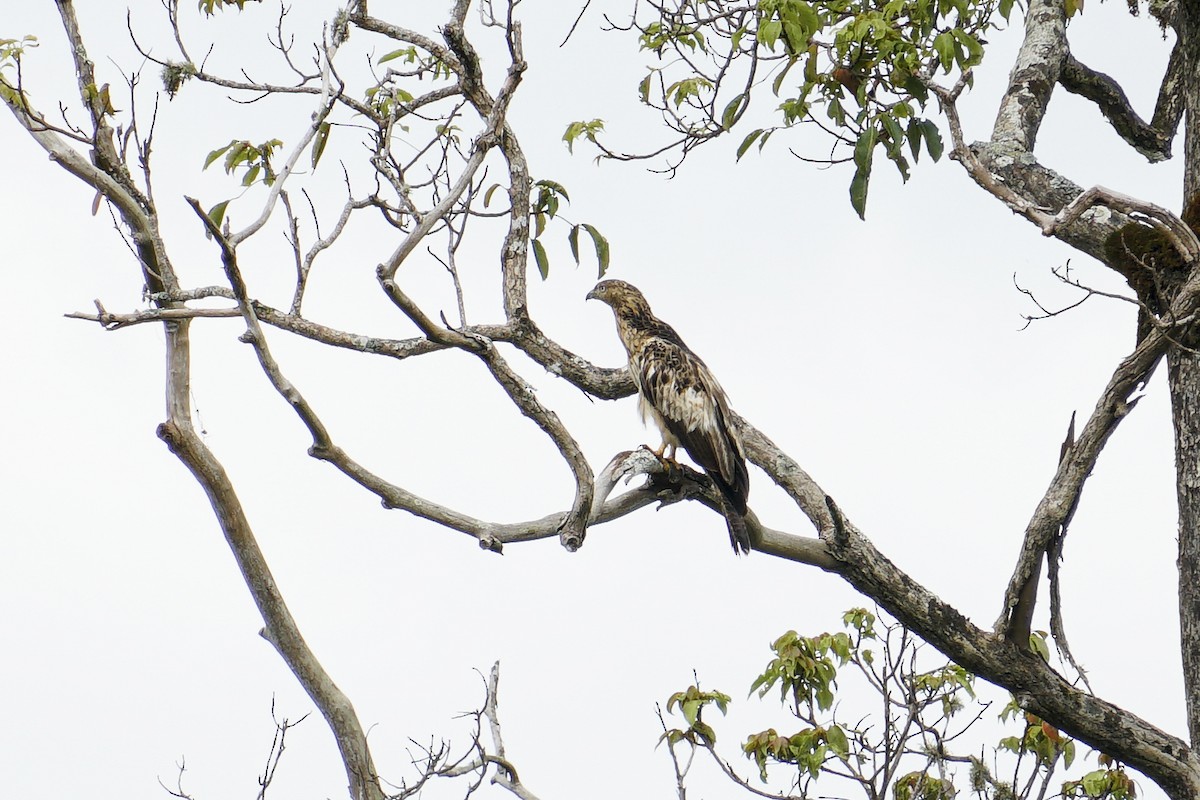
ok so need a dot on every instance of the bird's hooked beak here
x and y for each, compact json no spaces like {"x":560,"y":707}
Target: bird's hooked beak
{"x":593,"y":296}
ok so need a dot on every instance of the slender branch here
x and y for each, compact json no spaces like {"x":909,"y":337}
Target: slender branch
{"x":506,"y":777}
{"x":514,"y":255}
{"x":113,"y":322}
{"x":328,"y":99}
{"x":281,"y":629}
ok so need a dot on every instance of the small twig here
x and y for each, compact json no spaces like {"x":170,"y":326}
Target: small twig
{"x":114,"y":322}
{"x":178,"y":790}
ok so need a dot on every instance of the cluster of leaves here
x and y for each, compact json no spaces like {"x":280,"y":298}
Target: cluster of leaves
{"x":545,"y":207}
{"x":11,"y":51}
{"x":255,"y":159}
{"x":691,"y":703}
{"x":210,"y":7}
{"x":804,"y":668}
{"x":808,"y":749}
{"x":858,"y":69}
{"x":391,"y":100}
{"x":1040,"y":739}
{"x":587,"y":129}
{"x":100,"y":98}
{"x":1047,"y":745}
{"x":421,"y":63}
{"x":1110,"y":782}
{"x":923,"y":786}
{"x":241,"y":154}
{"x":916,"y":730}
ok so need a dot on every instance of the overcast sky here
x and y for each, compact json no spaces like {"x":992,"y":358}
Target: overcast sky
{"x":886,"y":357}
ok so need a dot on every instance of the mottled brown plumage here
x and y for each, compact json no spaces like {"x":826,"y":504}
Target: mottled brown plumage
{"x":677,"y":391}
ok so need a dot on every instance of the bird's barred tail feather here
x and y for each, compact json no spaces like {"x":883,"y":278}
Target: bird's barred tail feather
{"x":739,"y":535}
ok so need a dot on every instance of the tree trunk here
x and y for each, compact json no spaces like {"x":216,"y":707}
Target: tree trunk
{"x":1184,"y":380}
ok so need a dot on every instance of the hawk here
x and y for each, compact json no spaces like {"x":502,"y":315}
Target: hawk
{"x":677,"y":391}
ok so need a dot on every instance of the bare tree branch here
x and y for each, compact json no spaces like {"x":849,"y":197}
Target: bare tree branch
{"x":281,"y":629}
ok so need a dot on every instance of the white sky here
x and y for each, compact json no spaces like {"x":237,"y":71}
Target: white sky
{"x":885,"y":357}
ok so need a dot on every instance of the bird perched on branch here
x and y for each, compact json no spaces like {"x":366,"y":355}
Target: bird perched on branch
{"x":677,"y":391}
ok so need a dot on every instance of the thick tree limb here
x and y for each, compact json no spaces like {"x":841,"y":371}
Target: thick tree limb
{"x":1036,"y":70}
{"x":1153,"y":139}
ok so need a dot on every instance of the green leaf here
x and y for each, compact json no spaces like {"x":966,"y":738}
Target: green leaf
{"x":1037,"y":643}
{"x":587,"y":129}
{"x":768,"y":33}
{"x":838,"y":742}
{"x":601,"y":245}
{"x":215,"y":154}
{"x":487,"y":196}
{"x":730,"y":115}
{"x":914,"y":138}
{"x":209,"y":7}
{"x":543,"y":262}
{"x":913,"y":85}
{"x":971,"y":45}
{"x":672,"y":737}
{"x":836,"y":112}
{"x":864,"y":148}
{"x":895,"y":135}
{"x":237,"y":153}
{"x":319,"y":141}
{"x":933,"y":138}
{"x":1095,"y":783}
{"x":408,"y":53}
{"x":217,"y":215}
{"x":943,"y":44}
{"x":705,"y":730}
{"x":749,"y":140}
{"x":573,"y":240}
{"x":858,"y":193}
{"x":251,"y":175}
{"x":778,"y":82}
{"x":735,"y":39}
{"x":808,"y":19}
{"x":557,"y":188}
{"x":644,"y":89}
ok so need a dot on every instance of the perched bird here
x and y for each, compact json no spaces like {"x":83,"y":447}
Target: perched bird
{"x":677,"y":391}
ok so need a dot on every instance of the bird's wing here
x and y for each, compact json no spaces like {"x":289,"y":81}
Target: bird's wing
{"x":693,"y":406}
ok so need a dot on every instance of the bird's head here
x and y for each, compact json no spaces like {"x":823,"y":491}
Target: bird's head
{"x":624,"y":298}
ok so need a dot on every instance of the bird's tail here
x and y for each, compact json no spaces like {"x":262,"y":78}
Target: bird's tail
{"x":739,"y":535}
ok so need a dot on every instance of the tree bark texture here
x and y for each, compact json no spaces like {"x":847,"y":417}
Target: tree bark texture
{"x":1184,"y":379}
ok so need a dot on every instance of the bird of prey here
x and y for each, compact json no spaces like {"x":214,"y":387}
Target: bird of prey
{"x":677,"y":391}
